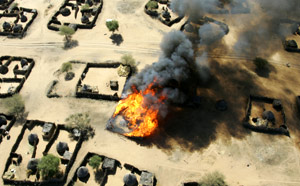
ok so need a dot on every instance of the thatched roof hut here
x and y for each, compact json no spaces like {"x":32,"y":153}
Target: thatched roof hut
{"x":32,"y":164}
{"x":33,"y":139}
{"x":23,"y":18}
{"x":130,"y":180}
{"x":3,"y":69}
{"x":3,"y":120}
{"x":85,"y":19}
{"x":24,"y":62}
{"x":6,"y":26}
{"x":65,"y":12}
{"x":82,"y":172}
{"x":277,"y":104}
{"x":268,"y":115}
{"x":61,"y":147}
{"x":17,"y":28}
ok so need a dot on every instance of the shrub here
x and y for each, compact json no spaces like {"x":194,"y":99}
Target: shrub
{"x":213,"y":179}
{"x":152,"y":5}
{"x":15,"y":105}
{"x":85,"y":7}
{"x":66,"y":31}
{"x":80,"y":121}
{"x":95,"y":161}
{"x":112,"y":25}
{"x":49,"y":166}
{"x":127,"y":59}
{"x":66,"y":67}
{"x":260,"y":63}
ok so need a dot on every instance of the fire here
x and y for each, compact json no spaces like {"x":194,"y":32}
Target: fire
{"x":141,"y":111}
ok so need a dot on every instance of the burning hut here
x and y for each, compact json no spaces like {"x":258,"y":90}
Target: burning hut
{"x":33,"y":139}
{"x":130,"y":180}
{"x":61,"y":148}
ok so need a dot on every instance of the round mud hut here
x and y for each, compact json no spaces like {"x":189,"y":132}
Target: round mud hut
{"x":17,"y":28}
{"x":268,"y":115}
{"x":32,"y":164}
{"x":6,"y":26}
{"x":3,"y":69}
{"x":277,"y":104}
{"x":33,"y":139}
{"x":82,"y":172}
{"x":3,"y":120}
{"x":85,"y":19}
{"x":23,"y":18}
{"x":65,"y":12}
{"x":61,"y":148}
{"x":130,"y":180}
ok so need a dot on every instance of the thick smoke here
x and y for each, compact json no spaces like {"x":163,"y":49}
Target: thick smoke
{"x":210,"y":33}
{"x":255,"y":31}
{"x":173,"y":65}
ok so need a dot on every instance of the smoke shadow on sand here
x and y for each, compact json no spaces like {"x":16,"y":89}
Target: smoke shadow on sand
{"x":194,"y":129}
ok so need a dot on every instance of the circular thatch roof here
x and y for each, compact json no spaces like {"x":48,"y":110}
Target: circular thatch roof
{"x":3,"y":120}
{"x":23,"y":19}
{"x":32,"y":138}
{"x":32,"y":164}
{"x":268,"y":115}
{"x":85,"y":19}
{"x":61,"y":147}
{"x":17,"y":28}
{"x":65,"y":12}
{"x":3,"y":69}
{"x":130,"y":180}
{"x":82,"y":172}
{"x":23,"y":62}
{"x":6,"y":25}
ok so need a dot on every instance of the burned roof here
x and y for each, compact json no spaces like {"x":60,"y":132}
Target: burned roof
{"x":147,"y":179}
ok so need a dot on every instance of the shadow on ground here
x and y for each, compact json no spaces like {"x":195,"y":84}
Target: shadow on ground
{"x":117,"y":39}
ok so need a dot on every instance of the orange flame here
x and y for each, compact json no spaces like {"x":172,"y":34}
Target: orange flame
{"x":140,"y":112}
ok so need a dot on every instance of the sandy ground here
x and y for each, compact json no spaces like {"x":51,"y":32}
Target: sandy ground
{"x":189,"y":149}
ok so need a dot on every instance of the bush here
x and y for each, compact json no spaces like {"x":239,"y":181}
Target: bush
{"x":85,"y":7}
{"x":80,"y":121}
{"x":112,"y":25}
{"x":95,"y":161}
{"x":213,"y":179}
{"x":49,"y":166}
{"x":15,"y":105}
{"x":127,"y":59}
{"x":66,"y":31}
{"x":260,"y":63}
{"x":152,"y":5}
{"x":66,"y":67}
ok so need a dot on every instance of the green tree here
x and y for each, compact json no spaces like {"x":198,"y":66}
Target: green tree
{"x":67,"y":32}
{"x":85,"y":7}
{"x":260,"y":63}
{"x":112,"y":25}
{"x":95,"y":161}
{"x":80,"y":121}
{"x":15,"y":105}
{"x":213,"y":179}
{"x":152,"y":5}
{"x":66,"y":67}
{"x":49,"y":166}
